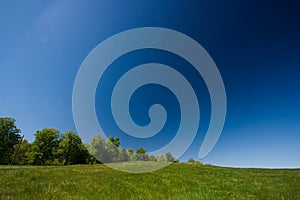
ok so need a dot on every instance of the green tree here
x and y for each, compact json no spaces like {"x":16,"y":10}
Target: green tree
{"x":130,"y":151}
{"x":114,"y":140}
{"x":140,"y":150}
{"x":111,"y":149}
{"x":72,"y":150}
{"x":152,"y":158}
{"x":122,"y":155}
{"x":34,"y":155}
{"x":160,"y":158}
{"x":141,"y":154}
{"x":9,"y":136}
{"x":169,"y":157}
{"x":20,"y":154}
{"x":115,"y":151}
{"x":199,"y":162}
{"x":191,"y":160}
{"x":97,"y":148}
{"x":44,"y":149}
{"x":132,"y":157}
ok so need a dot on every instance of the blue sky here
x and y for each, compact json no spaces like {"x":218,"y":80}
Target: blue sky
{"x":255,"y":44}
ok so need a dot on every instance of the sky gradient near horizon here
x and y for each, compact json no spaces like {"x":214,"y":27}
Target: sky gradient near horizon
{"x":255,"y":44}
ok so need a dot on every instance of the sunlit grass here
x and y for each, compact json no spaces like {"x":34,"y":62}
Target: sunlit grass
{"x":138,"y":166}
{"x":177,"y":181}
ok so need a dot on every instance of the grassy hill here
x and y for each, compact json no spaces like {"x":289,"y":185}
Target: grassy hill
{"x":177,"y":181}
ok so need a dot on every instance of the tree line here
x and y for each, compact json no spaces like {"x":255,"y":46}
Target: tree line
{"x":52,"y":148}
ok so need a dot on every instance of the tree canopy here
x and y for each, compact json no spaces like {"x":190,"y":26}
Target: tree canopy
{"x":50,"y":147}
{"x":9,"y":136}
{"x":71,"y":149}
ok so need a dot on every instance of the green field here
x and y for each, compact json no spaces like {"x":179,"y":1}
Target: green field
{"x":177,"y":181}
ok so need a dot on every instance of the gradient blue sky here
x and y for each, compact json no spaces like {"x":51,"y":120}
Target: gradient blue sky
{"x":255,"y":44}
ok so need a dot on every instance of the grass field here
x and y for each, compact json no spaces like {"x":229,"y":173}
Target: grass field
{"x":177,"y":181}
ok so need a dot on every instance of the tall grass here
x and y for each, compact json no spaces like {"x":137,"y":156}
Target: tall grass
{"x":177,"y":181}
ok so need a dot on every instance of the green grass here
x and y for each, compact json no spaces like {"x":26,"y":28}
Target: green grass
{"x":177,"y":181}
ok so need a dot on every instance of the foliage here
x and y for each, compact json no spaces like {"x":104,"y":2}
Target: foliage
{"x":160,"y":158}
{"x":169,"y":157}
{"x":52,"y":148}
{"x":20,"y":154}
{"x":9,"y":136}
{"x":114,"y":140}
{"x":108,"y":151}
{"x":152,"y":158}
{"x":97,"y":149}
{"x":199,"y":162}
{"x":141,"y":154}
{"x":130,"y":151}
{"x":44,"y":149}
{"x":72,"y":150}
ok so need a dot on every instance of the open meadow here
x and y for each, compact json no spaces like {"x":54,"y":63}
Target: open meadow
{"x":177,"y":181}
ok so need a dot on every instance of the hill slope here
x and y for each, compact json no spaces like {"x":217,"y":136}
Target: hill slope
{"x":177,"y":181}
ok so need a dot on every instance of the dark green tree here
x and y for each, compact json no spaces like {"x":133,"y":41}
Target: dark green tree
{"x":71,"y":149}
{"x":9,"y":136}
{"x":44,"y":149}
{"x":114,"y":140}
{"x":20,"y":154}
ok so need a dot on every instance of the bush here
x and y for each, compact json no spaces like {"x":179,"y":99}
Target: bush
{"x":199,"y":162}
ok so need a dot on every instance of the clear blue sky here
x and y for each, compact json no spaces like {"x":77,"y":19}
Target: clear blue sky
{"x":255,"y":44}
